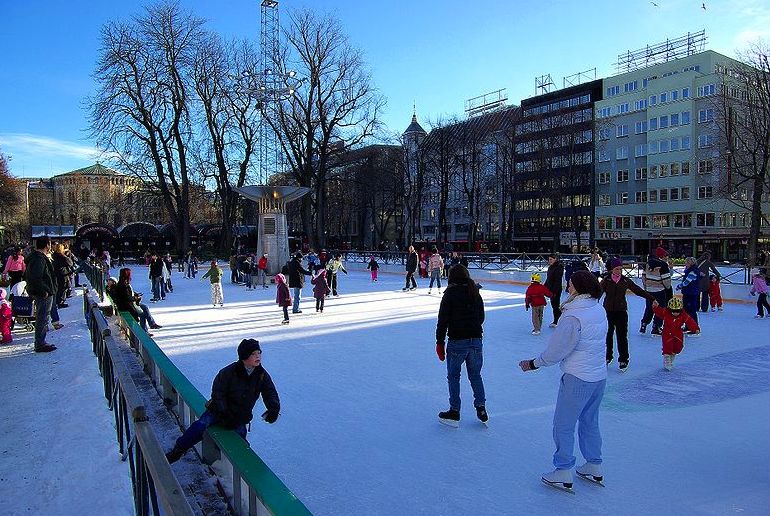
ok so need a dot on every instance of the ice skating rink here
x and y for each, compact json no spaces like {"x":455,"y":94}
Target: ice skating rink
{"x":360,"y":388}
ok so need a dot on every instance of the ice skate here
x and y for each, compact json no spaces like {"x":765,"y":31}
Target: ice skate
{"x":552,"y":325}
{"x":692,"y":333}
{"x":428,"y":291}
{"x":535,"y":332}
{"x":559,"y":479}
{"x":643,"y":328}
{"x":622,"y":366}
{"x":450,"y":418}
{"x":713,"y":309}
{"x":721,"y":309}
{"x":481,"y":413}
{"x":285,"y":321}
{"x":668,"y":362}
{"x":591,"y":472}
{"x":759,"y":316}
{"x":656,"y":332}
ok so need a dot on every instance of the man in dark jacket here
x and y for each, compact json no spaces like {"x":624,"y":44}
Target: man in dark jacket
{"x":156,"y":277}
{"x":234,"y":393}
{"x":704,"y":267}
{"x":41,"y":286}
{"x":656,"y":279}
{"x":297,"y":275}
{"x":553,"y":282}
{"x":411,"y":268}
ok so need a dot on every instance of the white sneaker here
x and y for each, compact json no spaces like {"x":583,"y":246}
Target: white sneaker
{"x":668,"y":362}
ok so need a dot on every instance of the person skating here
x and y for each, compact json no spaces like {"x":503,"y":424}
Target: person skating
{"x":262,"y":270}
{"x":214,"y":274}
{"x":674,"y":318}
{"x":332,"y":268}
{"x":577,"y":345}
{"x":156,"y":278}
{"x":246,"y":269}
{"x":460,"y":317}
{"x":656,"y":279}
{"x":534,"y":298}
{"x":411,"y":267}
{"x":690,"y":287}
{"x":296,"y":276}
{"x":373,"y":266}
{"x":614,"y":288}
{"x":435,"y":266}
{"x":596,"y":263}
{"x":282,"y":295}
{"x":706,"y":267}
{"x":320,"y":289}
{"x":234,"y":392}
{"x":759,"y":288}
{"x":553,"y":282}
{"x":715,"y":294}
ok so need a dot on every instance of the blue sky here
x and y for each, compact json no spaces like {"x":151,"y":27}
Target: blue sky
{"x":433,"y":53}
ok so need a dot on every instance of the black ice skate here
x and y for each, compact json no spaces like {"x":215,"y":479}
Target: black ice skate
{"x":450,"y":418}
{"x":481,"y":413}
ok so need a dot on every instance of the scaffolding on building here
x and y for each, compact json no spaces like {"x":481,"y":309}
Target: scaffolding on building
{"x":544,"y":84}
{"x":579,"y":78}
{"x":683,"y":46}
{"x":485,"y":103}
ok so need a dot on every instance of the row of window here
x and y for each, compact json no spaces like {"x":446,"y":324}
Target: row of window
{"x":653,"y":100}
{"x":554,"y":121}
{"x":632,"y":86}
{"x":555,"y":106}
{"x":555,"y":142}
{"x":658,"y":195}
{"x":545,"y":203}
{"x":565,"y":160}
{"x":676,"y":220}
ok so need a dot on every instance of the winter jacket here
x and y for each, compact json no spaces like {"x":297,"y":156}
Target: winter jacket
{"x":214,"y":274}
{"x":373,"y":265}
{"x":411,"y":262}
{"x":282,"y":295}
{"x":156,"y":268}
{"x":262,"y":263}
{"x":435,"y":262}
{"x":553,"y":280}
{"x":459,"y":316}
{"x":297,"y":273}
{"x":334,"y":266}
{"x":615,"y":293}
{"x":596,"y":266}
{"x":758,"y":285}
{"x":235,"y":392}
{"x":715,"y":294}
{"x":573,"y":267}
{"x":123,"y":296}
{"x":704,"y":266}
{"x":690,"y":281}
{"x":246,"y":267}
{"x":15,"y":264}
{"x":6,"y":315}
{"x":320,"y":287}
{"x":656,"y":276}
{"x":40,"y":275}
{"x":62,"y":268}
{"x":673,"y":335}
{"x":536,"y":294}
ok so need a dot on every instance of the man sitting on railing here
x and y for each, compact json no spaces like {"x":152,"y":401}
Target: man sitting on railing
{"x":234,"y":393}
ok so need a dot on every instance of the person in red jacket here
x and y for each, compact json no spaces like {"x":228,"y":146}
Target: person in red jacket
{"x":674,"y":318}
{"x":535,"y":297}
{"x":715,"y":294}
{"x":262,"y":270}
{"x":283,"y":296}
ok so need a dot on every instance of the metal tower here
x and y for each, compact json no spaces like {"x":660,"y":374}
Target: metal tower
{"x":269,"y":161}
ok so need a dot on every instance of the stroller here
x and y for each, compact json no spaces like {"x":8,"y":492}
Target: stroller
{"x":22,"y":307}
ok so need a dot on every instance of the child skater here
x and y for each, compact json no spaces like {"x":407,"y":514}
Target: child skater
{"x":321,"y":289}
{"x":215,"y":277}
{"x":535,"y":297}
{"x":283,"y":296}
{"x":6,"y":319}
{"x":759,"y":286}
{"x":715,"y":294}
{"x":373,"y":266}
{"x":674,"y":318}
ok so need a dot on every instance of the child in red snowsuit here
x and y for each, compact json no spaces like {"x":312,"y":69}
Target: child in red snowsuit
{"x":715,"y":294}
{"x":6,"y":319}
{"x":674,"y":318}
{"x":535,"y":297}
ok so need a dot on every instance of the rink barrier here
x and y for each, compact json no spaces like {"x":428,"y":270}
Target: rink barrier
{"x":155,"y":488}
{"x":256,"y":490}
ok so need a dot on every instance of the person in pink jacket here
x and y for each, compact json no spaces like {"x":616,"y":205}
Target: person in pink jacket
{"x":759,"y":287}
{"x":6,"y":319}
{"x":320,"y":290}
{"x":283,"y":296}
{"x":15,"y":267}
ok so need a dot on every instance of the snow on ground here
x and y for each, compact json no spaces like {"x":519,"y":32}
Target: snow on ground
{"x":58,"y":450}
{"x":360,"y":388}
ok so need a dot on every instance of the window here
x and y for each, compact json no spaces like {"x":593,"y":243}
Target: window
{"x":705,"y":166}
{"x":621,"y":152}
{"x":673,"y":194}
{"x":661,"y":221}
{"x":653,"y":172}
{"x":674,"y":119}
{"x":705,"y":192}
{"x":653,"y":100}
{"x":663,"y":195}
{"x":663,"y":170}
{"x":641,"y":174}
{"x":613,"y":90}
{"x":605,"y":112}
{"x":706,"y":115}
{"x":653,"y":124}
{"x":622,"y":176}
{"x":630,"y":86}
{"x":622,"y":222}
{"x":685,"y":193}
{"x":675,"y":169}
{"x":705,"y":140}
{"x":602,"y":156}
{"x":663,"y":97}
{"x":622,"y":198}
{"x":685,"y":118}
{"x":664,"y":146}
{"x":706,"y":90}
{"x":653,"y":147}
{"x":652,"y":196}
{"x":674,"y":144}
{"x":685,"y":93}
{"x":640,"y":150}
{"x":604,"y":222}
{"x":663,"y":121}
{"x":682,"y":220}
{"x":604,"y":133}
{"x":641,"y":127}
{"x":685,"y":168}
{"x":641,"y":222}
{"x":604,"y":178}
{"x":704,"y":220}
{"x":685,"y":143}
{"x":604,"y":200}
{"x":640,"y":105}
{"x":622,"y":108}
{"x":621,"y":130}
{"x":641,"y":197}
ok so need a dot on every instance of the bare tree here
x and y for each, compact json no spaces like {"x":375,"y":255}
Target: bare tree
{"x":13,"y":202}
{"x":438,"y":153}
{"x":141,"y":110}
{"x":335,"y":109}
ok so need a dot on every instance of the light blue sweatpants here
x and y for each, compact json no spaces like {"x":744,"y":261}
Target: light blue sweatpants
{"x":578,"y":402}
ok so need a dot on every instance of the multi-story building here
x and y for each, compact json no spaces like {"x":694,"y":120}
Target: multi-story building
{"x":659,"y":174}
{"x":554,"y":165}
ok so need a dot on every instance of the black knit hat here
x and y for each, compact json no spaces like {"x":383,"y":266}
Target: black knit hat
{"x":247,"y":347}
{"x":586,"y":283}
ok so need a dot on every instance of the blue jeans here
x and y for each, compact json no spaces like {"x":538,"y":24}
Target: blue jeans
{"x":578,"y":401}
{"x":42,"y":310}
{"x":54,"y":312}
{"x":194,"y":433}
{"x":468,"y":351}
{"x":297,"y":294}
{"x":156,"y":282}
{"x":145,"y":316}
{"x":435,"y":274}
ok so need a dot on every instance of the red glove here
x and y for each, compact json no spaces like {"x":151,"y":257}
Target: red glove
{"x":440,"y":351}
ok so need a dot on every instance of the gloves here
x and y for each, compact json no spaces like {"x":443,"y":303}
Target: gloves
{"x":270,"y":416}
{"x":527,"y":365}
{"x":440,"y":352}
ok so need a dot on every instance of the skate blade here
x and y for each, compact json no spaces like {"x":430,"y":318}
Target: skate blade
{"x":590,"y":478}
{"x":485,"y":423}
{"x":449,"y":422}
{"x":567,"y":488}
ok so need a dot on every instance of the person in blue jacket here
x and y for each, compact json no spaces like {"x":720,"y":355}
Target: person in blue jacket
{"x":690,"y":288}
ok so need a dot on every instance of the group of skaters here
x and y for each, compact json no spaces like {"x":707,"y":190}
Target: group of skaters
{"x":431,"y":264}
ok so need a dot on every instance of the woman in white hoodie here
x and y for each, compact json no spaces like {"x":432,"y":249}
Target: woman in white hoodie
{"x":578,"y":345}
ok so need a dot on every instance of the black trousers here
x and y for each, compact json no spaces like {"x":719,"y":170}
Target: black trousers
{"x":333,"y":283}
{"x":319,"y":304}
{"x":704,"y":301}
{"x":410,"y":277}
{"x":556,"y":306}
{"x":762,"y":304}
{"x":662,"y":299}
{"x":617,"y":322}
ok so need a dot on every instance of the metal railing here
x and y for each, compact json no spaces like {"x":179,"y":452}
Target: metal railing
{"x":96,"y":277}
{"x":156,"y":490}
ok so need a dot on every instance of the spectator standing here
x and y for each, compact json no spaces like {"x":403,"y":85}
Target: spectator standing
{"x":262,"y":270}
{"x":15,"y":267}
{"x":41,"y":286}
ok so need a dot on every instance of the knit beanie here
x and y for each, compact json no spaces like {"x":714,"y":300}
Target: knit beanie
{"x":613,"y":262}
{"x":247,"y":347}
